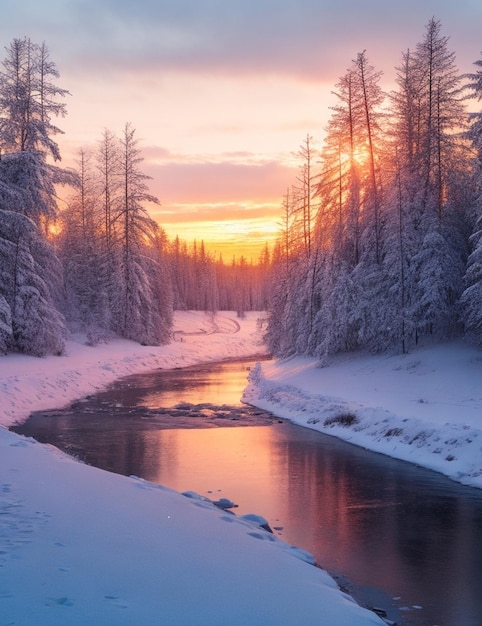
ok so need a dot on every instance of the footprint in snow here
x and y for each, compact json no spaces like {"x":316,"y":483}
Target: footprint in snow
{"x":116,"y":601}
{"x":63,"y":601}
{"x":262,"y":536}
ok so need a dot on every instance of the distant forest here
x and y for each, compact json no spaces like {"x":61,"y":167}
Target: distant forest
{"x":380,"y":242}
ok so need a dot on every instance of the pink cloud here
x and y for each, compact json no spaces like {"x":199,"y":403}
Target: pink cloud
{"x":188,"y":183}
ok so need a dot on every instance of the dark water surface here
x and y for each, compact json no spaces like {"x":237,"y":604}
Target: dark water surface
{"x":394,"y":535}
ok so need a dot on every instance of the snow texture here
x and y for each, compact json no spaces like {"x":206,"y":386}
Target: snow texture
{"x":79,"y":545}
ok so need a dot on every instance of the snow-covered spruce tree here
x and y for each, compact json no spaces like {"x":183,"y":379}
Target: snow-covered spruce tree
{"x":28,"y":102}
{"x":471,"y":299}
{"x":298,"y":231}
{"x":347,"y":268}
{"x":159,"y":272}
{"x":84,"y":257}
{"x":29,"y":99}
{"x":367,"y":307}
{"x":180,"y":266}
{"x":286,"y":279}
{"x":207,"y":282}
{"x":136,"y":311}
{"x":117,"y":271}
{"x":27,"y":264}
{"x":340,"y":180}
{"x":277,"y":337}
{"x":303,"y":192}
{"x":368,"y":152}
{"x":29,"y":185}
{"x":440,"y":113}
{"x":5,"y":324}
{"x":30,"y":270}
{"x":109,"y":183}
{"x":427,"y":210}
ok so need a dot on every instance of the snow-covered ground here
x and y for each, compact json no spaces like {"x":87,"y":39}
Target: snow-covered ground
{"x":424,"y":407}
{"x":80,"y":546}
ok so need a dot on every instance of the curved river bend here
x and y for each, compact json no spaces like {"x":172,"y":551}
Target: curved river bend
{"x":396,"y":536}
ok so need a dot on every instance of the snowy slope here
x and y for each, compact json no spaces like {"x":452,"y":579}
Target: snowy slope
{"x":82,"y":546}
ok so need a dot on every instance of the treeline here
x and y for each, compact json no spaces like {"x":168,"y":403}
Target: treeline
{"x":381,"y":246}
{"x":204,"y":282}
{"x":100,"y":265}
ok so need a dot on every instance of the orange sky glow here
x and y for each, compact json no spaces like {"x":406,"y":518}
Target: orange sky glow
{"x":221,"y":94}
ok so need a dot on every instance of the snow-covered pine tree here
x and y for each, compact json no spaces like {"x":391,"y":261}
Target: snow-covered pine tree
{"x":159,"y":272}
{"x":84,"y":257}
{"x":431,"y":162}
{"x":29,"y":185}
{"x":27,"y":263}
{"x":135,"y":316}
{"x":349,"y":221}
{"x":29,"y":99}
{"x":30,"y":270}
{"x":109,"y":183}
{"x":277,"y":337}
{"x":471,"y":299}
{"x":5,"y":323}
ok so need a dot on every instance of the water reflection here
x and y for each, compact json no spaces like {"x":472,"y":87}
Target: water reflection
{"x":388,"y":525}
{"x":385,"y":526}
{"x":197,"y":384}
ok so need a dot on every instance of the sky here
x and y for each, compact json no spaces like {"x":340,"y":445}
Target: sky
{"x":222,"y":93}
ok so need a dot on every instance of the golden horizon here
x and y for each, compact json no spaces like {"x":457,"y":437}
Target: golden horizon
{"x":227,"y":238}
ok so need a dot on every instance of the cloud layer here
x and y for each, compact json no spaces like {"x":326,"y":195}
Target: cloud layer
{"x":220,"y":182}
{"x":303,"y":38}
{"x":222,"y":91}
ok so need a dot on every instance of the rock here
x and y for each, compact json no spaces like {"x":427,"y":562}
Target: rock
{"x":379,"y":612}
{"x":257,"y":519}
{"x":224,"y":503}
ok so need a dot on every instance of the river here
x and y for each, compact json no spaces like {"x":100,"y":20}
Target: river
{"x":396,"y":536}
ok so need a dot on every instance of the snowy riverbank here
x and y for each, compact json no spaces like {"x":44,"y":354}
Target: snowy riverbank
{"x":424,"y":407}
{"x":28,"y":383}
{"x":80,"y":546}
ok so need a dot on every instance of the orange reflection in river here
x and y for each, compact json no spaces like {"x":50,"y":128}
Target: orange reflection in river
{"x":229,"y":462}
{"x":336,"y":501}
{"x":192,"y":385}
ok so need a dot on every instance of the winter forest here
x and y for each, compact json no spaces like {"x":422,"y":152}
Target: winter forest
{"x":382,"y":240}
{"x":380,"y":244}
{"x":99,"y":265}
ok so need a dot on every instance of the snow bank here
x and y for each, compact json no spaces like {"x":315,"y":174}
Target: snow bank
{"x":79,"y":545}
{"x":83,"y":546}
{"x":425,"y":407}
